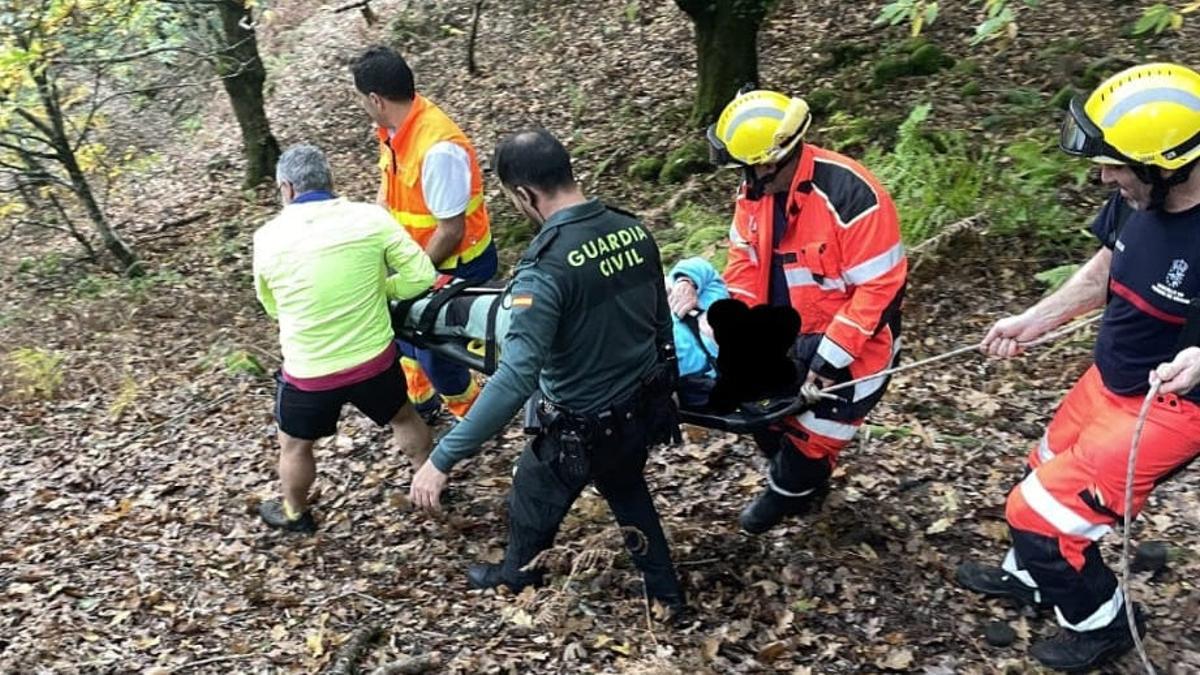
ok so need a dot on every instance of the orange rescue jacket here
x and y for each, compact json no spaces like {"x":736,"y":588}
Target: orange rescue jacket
{"x":400,"y":160}
{"x":845,"y":265}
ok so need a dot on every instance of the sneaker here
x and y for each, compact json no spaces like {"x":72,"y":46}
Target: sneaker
{"x":432,"y":416}
{"x":1072,"y":651}
{"x":770,"y":508}
{"x":490,"y":575}
{"x":273,"y":514}
{"x":993,"y":582}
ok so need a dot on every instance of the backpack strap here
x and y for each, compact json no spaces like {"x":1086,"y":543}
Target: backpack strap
{"x":692,"y":321}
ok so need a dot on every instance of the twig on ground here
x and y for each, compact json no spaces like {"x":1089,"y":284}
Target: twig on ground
{"x":215,"y":659}
{"x":412,"y":665}
{"x":472,"y":66}
{"x":183,"y":415}
{"x":345,"y":662}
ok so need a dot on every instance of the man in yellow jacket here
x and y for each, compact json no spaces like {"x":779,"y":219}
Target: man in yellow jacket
{"x":325,"y":267}
{"x":432,"y":185}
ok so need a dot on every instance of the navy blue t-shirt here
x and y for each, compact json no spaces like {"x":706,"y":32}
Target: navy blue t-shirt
{"x":1155,"y":272}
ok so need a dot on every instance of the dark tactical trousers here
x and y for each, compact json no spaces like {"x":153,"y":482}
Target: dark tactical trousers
{"x":554,"y":468}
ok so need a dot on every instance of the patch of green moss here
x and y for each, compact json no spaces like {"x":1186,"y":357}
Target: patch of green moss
{"x":687,"y":160}
{"x":890,"y":69}
{"x":1063,"y":97}
{"x":821,"y":101}
{"x":970,"y":89}
{"x":846,"y":54}
{"x":968,"y":67}
{"x":646,"y":168}
{"x":1023,"y":97}
{"x":929,"y":59}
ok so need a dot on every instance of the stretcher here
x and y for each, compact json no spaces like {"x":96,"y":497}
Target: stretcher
{"x":466,"y":324}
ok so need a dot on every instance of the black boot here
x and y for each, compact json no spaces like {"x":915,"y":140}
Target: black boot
{"x":491,"y":575}
{"x":1074,"y":652}
{"x":994,"y":582}
{"x":273,"y":514}
{"x":770,"y":507}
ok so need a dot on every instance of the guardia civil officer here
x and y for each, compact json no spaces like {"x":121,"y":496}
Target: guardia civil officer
{"x":592,"y":330}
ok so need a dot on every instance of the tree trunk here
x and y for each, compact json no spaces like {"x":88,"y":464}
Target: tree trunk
{"x":56,"y":131}
{"x":243,"y":75}
{"x":726,"y":50}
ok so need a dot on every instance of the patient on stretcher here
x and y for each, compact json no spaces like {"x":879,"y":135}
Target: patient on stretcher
{"x":468,"y":324}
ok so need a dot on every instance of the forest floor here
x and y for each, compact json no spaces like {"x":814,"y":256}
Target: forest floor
{"x":131,"y":542}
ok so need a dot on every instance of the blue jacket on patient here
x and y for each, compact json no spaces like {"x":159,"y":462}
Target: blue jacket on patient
{"x":710,"y":287}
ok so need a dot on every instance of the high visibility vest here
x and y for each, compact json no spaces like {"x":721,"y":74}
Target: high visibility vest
{"x":845,"y":266}
{"x":400,"y":160}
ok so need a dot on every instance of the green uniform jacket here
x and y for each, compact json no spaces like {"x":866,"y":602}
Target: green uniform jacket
{"x":589,"y":316}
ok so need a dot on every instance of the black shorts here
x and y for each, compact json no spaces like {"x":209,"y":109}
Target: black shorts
{"x":310,"y":415}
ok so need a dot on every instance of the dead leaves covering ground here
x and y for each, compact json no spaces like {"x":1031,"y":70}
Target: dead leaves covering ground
{"x":130,"y":542}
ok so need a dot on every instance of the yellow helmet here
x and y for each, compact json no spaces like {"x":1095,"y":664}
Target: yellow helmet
{"x":1146,"y":115}
{"x":759,"y":127}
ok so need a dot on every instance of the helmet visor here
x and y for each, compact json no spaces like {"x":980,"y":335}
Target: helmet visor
{"x":1080,"y":137}
{"x":718,"y":154}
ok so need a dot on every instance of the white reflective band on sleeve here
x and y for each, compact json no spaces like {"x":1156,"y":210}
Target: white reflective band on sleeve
{"x":775,"y":487}
{"x":868,"y":388}
{"x":738,"y":290}
{"x":841,"y":319}
{"x":833,"y":353}
{"x":1010,"y":565}
{"x":1044,"y":452}
{"x":802,"y":276}
{"x":1054,"y":512}
{"x":875,"y":267}
{"x":827,"y":428}
{"x":1100,"y":618}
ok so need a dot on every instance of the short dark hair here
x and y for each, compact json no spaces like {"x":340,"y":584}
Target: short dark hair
{"x":533,"y":158}
{"x":380,"y":70}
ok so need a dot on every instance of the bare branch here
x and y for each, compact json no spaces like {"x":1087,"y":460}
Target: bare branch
{"x":132,"y":56}
{"x":27,"y":151}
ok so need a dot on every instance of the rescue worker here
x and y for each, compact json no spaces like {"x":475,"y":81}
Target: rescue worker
{"x":432,"y":185}
{"x":590,"y":330}
{"x":1142,"y":126}
{"x":816,"y":231}
{"x":319,"y":268}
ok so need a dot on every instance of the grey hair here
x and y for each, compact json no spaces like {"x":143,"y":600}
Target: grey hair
{"x":304,"y":166}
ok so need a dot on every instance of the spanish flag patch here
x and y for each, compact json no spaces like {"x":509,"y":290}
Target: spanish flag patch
{"x":522,"y":301}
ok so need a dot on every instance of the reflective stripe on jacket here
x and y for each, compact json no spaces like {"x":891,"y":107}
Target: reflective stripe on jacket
{"x":845,"y":265}
{"x":400,"y":160}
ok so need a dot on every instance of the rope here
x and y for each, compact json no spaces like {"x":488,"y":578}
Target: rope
{"x":827,"y":392}
{"x":1129,"y":471}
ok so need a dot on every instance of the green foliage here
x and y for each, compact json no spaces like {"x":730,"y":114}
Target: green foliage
{"x":917,"y":58}
{"x":821,"y":101}
{"x":999,"y":17}
{"x":1160,"y":17}
{"x":241,"y":362}
{"x":632,"y":11}
{"x":1062,"y":98}
{"x":938,"y":178}
{"x":1055,"y":277}
{"x":934,"y":179}
{"x":843,"y":54}
{"x":918,"y":13}
{"x":41,"y":267}
{"x":694,"y":231}
{"x":646,"y":168}
{"x":35,"y":373}
{"x":686,"y":160}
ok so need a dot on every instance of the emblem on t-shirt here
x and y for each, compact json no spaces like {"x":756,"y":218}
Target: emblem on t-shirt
{"x":1169,"y":287}
{"x":1177,"y":272}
